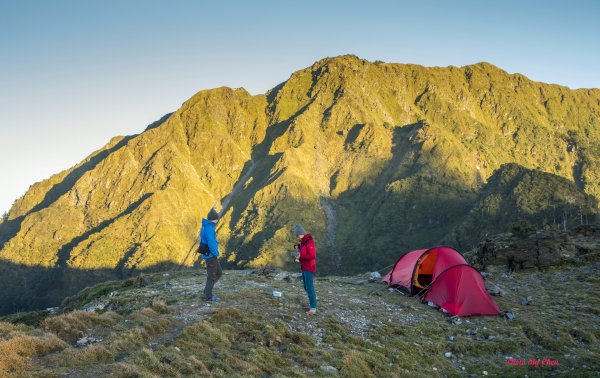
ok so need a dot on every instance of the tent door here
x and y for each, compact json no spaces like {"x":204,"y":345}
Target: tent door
{"x":424,"y":271}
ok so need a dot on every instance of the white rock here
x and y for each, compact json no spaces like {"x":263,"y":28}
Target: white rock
{"x":448,"y":354}
{"x":95,"y":307}
{"x":328,"y":369}
{"x":485,"y":372}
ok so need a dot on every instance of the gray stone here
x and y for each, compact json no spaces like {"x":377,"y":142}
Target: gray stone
{"x":328,"y":369}
{"x":527,"y":301}
{"x":86,"y":340}
{"x":95,"y":306}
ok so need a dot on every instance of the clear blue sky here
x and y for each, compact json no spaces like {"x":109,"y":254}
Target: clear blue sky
{"x":75,"y":73}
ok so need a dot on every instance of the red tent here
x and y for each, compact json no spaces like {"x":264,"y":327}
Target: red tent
{"x":441,"y":275}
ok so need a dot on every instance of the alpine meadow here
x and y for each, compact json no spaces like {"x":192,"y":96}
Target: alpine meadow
{"x":375,"y":159}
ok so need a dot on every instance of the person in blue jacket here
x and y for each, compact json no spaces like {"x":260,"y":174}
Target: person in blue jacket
{"x":208,"y":236}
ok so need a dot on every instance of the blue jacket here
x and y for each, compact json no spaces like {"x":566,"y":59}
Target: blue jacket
{"x":208,"y":236}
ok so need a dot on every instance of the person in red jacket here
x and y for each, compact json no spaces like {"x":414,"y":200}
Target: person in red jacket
{"x":307,"y":257}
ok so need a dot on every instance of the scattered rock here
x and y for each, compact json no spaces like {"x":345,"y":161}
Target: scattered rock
{"x":485,"y":372}
{"x":328,"y":369}
{"x":494,"y":289}
{"x":527,"y":301}
{"x":471,"y":332}
{"x":451,"y":338}
{"x":52,"y":310}
{"x":281,"y":276}
{"x":87,"y":340}
{"x":455,"y":320}
{"x":448,"y":354}
{"x":509,"y":315}
{"x":375,"y":276}
{"x":95,"y":306}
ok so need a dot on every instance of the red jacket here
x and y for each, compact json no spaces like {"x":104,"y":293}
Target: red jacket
{"x":308,"y":254}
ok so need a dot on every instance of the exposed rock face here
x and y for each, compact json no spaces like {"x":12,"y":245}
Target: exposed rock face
{"x":539,"y":249}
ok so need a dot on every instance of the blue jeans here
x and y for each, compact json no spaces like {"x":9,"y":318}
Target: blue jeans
{"x":309,"y":285}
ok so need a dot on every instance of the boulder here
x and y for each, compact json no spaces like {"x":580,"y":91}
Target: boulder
{"x":327,"y":369}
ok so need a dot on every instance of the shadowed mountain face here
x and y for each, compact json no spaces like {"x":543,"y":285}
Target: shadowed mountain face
{"x":373,"y":158}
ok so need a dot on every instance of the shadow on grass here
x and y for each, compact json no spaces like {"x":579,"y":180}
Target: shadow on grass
{"x":30,"y":288}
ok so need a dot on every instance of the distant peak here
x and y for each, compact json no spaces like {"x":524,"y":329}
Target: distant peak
{"x":485,"y":66}
{"x":340,"y":60}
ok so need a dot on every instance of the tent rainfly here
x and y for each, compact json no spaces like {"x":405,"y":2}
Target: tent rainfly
{"x":443,"y":276}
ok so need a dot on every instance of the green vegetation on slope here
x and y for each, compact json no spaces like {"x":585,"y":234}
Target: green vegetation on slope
{"x":372,"y":158}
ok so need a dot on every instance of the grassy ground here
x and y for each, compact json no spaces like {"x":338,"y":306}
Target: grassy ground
{"x":156,"y":326}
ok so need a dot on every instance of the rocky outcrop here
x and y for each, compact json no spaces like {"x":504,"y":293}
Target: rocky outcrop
{"x":538,"y":249}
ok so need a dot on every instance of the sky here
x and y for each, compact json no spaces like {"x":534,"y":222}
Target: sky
{"x":73,"y":74}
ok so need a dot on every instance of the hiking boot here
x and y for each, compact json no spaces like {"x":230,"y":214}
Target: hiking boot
{"x":312,"y":311}
{"x":213,"y":299}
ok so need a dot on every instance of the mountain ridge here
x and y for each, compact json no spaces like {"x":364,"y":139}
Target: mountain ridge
{"x":393,"y":156}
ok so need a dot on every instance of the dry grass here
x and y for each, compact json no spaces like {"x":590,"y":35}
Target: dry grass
{"x":91,"y":353}
{"x":73,"y":325}
{"x":17,"y":348}
{"x":251,"y":334}
{"x":160,"y":306}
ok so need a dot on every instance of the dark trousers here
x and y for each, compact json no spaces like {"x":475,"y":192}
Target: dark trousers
{"x":308,"y":278}
{"x":213,"y":273}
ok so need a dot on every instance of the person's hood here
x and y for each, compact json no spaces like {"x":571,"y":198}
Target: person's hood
{"x":206,"y":222}
{"x":306,"y":238}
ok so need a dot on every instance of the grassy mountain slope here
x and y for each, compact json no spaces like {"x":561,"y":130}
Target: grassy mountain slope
{"x":373,"y":158}
{"x":154,"y":326}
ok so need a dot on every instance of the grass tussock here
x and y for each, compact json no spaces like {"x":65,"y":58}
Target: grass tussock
{"x":72,"y":326}
{"x":160,"y":306}
{"x":91,"y":353}
{"x":152,"y":322}
{"x":17,"y":348}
